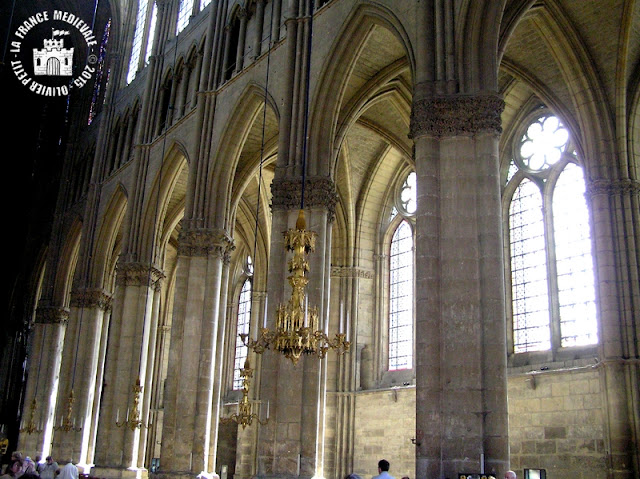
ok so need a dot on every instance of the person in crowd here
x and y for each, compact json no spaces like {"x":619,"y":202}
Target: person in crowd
{"x":28,"y":467}
{"x":69,"y":471}
{"x":353,"y":476}
{"x":48,"y":469}
{"x":383,"y":470}
{"x":14,"y":467}
{"x":510,"y":475}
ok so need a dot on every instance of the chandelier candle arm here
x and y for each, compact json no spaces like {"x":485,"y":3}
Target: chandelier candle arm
{"x":135,"y":422}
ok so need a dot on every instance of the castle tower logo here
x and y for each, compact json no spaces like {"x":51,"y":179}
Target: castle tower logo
{"x":52,"y":53}
{"x":53,"y":59}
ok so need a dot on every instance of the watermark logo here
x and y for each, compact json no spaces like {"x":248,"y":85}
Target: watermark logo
{"x":56,"y":47}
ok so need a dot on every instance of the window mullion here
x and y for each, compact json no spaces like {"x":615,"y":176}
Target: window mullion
{"x":552,"y":270}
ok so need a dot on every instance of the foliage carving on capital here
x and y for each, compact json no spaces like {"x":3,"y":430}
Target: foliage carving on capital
{"x":203,"y":242}
{"x":319,"y":191}
{"x":91,"y":298}
{"x":139,"y":274}
{"x":609,"y":187}
{"x":52,"y":315}
{"x":453,"y":115}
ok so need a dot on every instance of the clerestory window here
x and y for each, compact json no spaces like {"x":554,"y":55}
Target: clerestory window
{"x":551,"y":277}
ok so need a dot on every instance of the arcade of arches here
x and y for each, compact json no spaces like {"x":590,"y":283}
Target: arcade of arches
{"x":469,"y":168}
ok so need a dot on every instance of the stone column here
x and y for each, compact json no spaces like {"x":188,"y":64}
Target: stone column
{"x":118,"y":440}
{"x":614,"y":209}
{"x":461,"y":390}
{"x":291,"y":444}
{"x":257,"y":44}
{"x":80,"y":360}
{"x":242,"y":37}
{"x":189,"y":399}
{"x":48,"y":339}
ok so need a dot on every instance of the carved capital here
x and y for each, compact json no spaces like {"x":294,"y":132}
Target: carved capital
{"x":351,"y":272}
{"x":91,"y":298}
{"x":319,"y":191}
{"x":454,"y":115}
{"x":139,"y":274}
{"x":52,"y":315}
{"x":203,"y":242}
{"x":613,"y":187}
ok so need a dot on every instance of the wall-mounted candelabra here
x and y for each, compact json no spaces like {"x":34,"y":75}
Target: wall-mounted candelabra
{"x":296,"y":331}
{"x":31,"y":427}
{"x":245,"y":417}
{"x":133,"y":420}
{"x":68,"y":424}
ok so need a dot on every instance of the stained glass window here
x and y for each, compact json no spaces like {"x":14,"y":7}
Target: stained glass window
{"x":152,"y":32}
{"x":244,"y":316}
{"x":101,"y":76}
{"x":141,"y":20}
{"x":401,"y":298}
{"x":184,"y":14}
{"x":531,"y":330}
{"x":576,"y":289}
{"x":552,"y":278}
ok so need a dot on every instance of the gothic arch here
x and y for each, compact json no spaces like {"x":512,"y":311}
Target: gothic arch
{"x":582,"y":104}
{"x":327,"y":106}
{"x":67,"y":263}
{"x":154,"y":221}
{"x":227,"y":175}
{"x":106,"y":237}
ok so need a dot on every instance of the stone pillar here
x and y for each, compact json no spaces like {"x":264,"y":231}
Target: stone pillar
{"x":212,"y":451}
{"x":189,"y":398}
{"x":48,"y":338}
{"x":257,"y":44}
{"x":461,"y":390}
{"x":614,"y":208}
{"x":291,"y":443}
{"x":80,"y":360}
{"x":242,"y":37}
{"x":117,"y":443}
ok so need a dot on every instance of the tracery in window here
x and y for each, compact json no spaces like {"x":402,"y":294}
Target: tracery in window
{"x":408,"y":194}
{"x":141,"y":20}
{"x":552,"y":279}
{"x":401,"y":298}
{"x":244,"y":316}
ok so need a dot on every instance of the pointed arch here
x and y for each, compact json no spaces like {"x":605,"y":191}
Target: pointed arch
{"x":327,"y":105}
{"x":226,"y":175}
{"x":106,"y":238}
{"x":154,"y":221}
{"x":67,"y":262}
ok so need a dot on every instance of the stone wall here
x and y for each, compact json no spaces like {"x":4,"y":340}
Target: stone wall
{"x":556,"y":422}
{"x":384,"y":425}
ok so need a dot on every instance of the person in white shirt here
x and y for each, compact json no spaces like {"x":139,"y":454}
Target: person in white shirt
{"x":383,"y":470}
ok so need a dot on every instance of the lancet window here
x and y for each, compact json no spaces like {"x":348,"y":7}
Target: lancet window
{"x":548,"y":238}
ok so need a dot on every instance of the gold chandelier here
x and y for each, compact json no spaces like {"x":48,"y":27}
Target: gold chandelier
{"x":244,"y":417}
{"x":297,"y":330}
